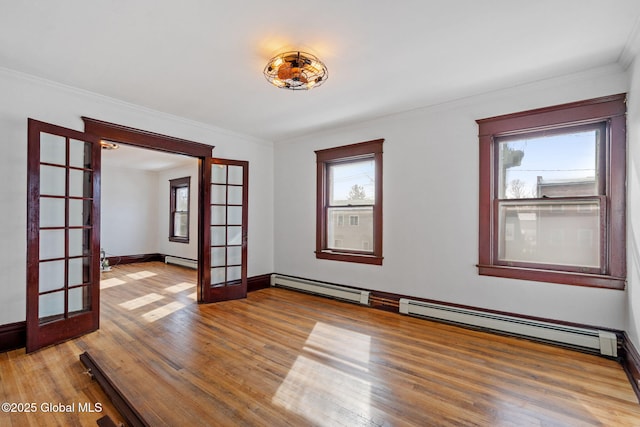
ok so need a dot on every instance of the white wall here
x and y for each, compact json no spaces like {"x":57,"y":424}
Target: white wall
{"x":135,"y":210}
{"x":431,"y":206}
{"x":24,"y":96}
{"x":129,"y":205}
{"x":163,"y":245}
{"x":430,"y":191}
{"x":633,"y":207}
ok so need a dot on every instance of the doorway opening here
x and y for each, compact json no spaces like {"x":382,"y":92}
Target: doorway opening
{"x":138,"y":237}
{"x":63,"y":244}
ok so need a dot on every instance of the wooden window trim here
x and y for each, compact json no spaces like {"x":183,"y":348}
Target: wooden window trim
{"x":174,"y":184}
{"x":324,"y":158}
{"x":610,"y":109}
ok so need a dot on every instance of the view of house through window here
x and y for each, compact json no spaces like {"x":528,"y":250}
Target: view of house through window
{"x":561,"y":172}
{"x":179,"y":210}
{"x":552,"y":194}
{"x":349,"y":215}
{"x":352,"y":196}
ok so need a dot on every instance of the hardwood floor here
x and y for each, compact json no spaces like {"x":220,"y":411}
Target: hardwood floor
{"x":42,"y":385}
{"x":283,"y":358}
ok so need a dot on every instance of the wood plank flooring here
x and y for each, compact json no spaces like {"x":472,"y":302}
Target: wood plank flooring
{"x":281,"y":358}
{"x":43,"y":384}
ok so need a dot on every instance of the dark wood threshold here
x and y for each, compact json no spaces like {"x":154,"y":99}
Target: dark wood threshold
{"x":106,"y":421}
{"x":631,"y":363}
{"x":131,"y":416}
{"x":13,"y":336}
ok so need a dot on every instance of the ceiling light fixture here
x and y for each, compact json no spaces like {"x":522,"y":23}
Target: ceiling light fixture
{"x":108,"y":145}
{"x":296,"y":70}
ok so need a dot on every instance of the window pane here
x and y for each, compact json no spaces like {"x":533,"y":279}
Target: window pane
{"x":559,"y":165}
{"x":352,"y":183}
{"x":218,"y":174}
{"x":79,"y":242}
{"x":79,"y":270}
{"x":79,"y":212}
{"x":51,"y":305}
{"x":53,"y":148}
{"x":234,"y":236}
{"x":234,"y":273}
{"x":353,"y":233}
{"x":182,"y":199}
{"x":218,"y":236}
{"x":218,"y":276}
{"x":79,"y":301}
{"x":52,"y":212}
{"x":218,"y":257}
{"x":558,"y":233}
{"x":234,"y":215}
{"x":51,"y":276}
{"x":235,"y":175}
{"x":52,"y":244}
{"x":218,"y":215}
{"x":80,"y":183}
{"x":53,"y":181}
{"x":79,"y":154}
{"x":235,"y":195}
{"x":234,"y":255}
{"x":218,"y":194}
{"x":180,"y":224}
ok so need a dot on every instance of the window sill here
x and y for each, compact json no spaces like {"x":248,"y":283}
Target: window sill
{"x":560,"y":277}
{"x":179,"y":239}
{"x":346,"y":257}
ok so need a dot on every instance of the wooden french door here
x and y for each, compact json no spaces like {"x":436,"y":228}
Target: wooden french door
{"x":63,"y":234}
{"x":224,"y":261}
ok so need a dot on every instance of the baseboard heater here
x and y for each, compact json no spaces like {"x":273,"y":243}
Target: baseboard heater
{"x":589,"y":339}
{"x":320,"y":288}
{"x":184,"y":262}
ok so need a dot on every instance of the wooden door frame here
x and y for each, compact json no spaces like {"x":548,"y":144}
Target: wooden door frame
{"x":40,"y":335}
{"x":168,"y":144}
{"x":226,"y":291}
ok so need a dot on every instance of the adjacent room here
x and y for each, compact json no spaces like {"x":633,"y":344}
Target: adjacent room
{"x":291,"y":213}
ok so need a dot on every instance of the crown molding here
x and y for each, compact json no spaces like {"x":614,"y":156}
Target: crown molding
{"x":631,"y":47}
{"x":36,"y":80}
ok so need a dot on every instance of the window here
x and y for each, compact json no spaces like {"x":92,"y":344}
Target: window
{"x":350,"y":186}
{"x":179,"y":210}
{"x":552,"y":194}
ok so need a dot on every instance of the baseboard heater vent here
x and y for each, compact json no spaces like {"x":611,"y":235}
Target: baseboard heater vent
{"x":603,"y":341}
{"x":319,"y":288}
{"x":184,"y":262}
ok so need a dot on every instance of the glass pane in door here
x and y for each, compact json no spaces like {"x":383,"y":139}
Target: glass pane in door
{"x":228,"y":221}
{"x":62,"y":243}
{"x":66,"y":226}
{"x":51,"y":276}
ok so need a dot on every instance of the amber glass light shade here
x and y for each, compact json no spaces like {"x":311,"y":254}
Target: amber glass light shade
{"x":296,"y":70}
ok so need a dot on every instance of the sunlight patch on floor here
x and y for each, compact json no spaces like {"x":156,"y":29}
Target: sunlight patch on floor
{"x":110,"y":283}
{"x":141,"y":275}
{"x":180,"y":287}
{"x":326,"y":380}
{"x":193,"y":296}
{"x":163,"y":311}
{"x":141,"y":301}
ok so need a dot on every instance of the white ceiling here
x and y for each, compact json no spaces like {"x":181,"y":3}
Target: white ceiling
{"x":203,"y":59}
{"x":129,"y":157}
